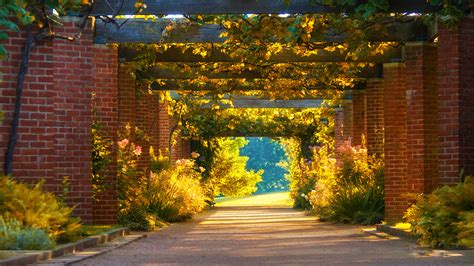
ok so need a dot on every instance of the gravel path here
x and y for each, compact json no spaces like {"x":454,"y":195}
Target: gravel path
{"x":264,"y":235}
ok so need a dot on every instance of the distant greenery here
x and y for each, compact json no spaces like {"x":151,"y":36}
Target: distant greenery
{"x":265,"y":154}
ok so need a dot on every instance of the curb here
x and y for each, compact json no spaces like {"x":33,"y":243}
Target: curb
{"x":77,"y":257}
{"x":89,"y":242}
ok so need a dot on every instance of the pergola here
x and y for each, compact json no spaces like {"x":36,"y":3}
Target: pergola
{"x":139,"y":30}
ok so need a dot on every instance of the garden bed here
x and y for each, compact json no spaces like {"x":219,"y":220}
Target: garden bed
{"x":23,"y":257}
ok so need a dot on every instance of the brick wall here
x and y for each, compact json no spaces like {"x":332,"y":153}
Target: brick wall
{"x":456,"y":97}
{"x":395,"y":149}
{"x":375,"y":125}
{"x":55,"y":128}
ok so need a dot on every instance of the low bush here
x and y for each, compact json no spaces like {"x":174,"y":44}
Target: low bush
{"x":444,"y":218}
{"x":137,"y":218}
{"x":176,"y":194}
{"x":350,"y":193}
{"x":34,"y":208}
{"x":14,"y":236}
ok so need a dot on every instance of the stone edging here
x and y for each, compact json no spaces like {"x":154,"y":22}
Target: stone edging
{"x":89,"y":242}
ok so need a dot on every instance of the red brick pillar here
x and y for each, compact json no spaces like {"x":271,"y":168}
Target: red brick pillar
{"x":73,"y":83}
{"x":456,"y":98}
{"x":338,"y":130}
{"x":126,"y":97}
{"x":422,"y":117}
{"x":164,"y":126}
{"x":395,"y":149}
{"x":375,"y":125}
{"x":359,"y":108}
{"x":348,"y":121}
{"x":147,"y":120}
{"x":105,"y":104}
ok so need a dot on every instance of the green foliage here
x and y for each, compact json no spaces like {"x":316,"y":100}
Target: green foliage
{"x":444,"y":218}
{"x":228,"y":175}
{"x":23,"y":12}
{"x":15,"y":236}
{"x":358,"y":196}
{"x":137,"y":217}
{"x":33,"y":207}
{"x":101,"y":147}
{"x":176,"y":194}
{"x":349,"y":193}
{"x":264,"y":153}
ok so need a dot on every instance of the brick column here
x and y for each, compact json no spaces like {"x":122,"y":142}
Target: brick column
{"x":395,"y":149}
{"x":456,"y":97}
{"x":375,"y":125}
{"x":422,"y":117}
{"x":105,"y":105}
{"x":348,"y":121}
{"x":126,"y":97}
{"x":359,"y":108}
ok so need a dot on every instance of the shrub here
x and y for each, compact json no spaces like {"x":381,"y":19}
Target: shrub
{"x":33,"y":207}
{"x":176,"y":194}
{"x":14,"y":236}
{"x":137,"y":218}
{"x":444,"y":218}
{"x":350,"y":193}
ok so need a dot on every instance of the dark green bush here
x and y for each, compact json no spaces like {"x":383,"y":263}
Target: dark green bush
{"x":445,"y":218}
{"x":14,"y":236}
{"x":137,"y":218}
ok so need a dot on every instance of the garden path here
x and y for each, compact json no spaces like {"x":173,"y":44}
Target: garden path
{"x":250,"y":235}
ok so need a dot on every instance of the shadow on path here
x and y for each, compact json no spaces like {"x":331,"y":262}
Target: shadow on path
{"x":271,"y":235}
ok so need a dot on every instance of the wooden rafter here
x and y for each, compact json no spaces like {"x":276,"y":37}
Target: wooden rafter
{"x":152,"y":31}
{"x":233,"y":85}
{"x":173,"y":54}
{"x":162,"y":73}
{"x":127,"y":7}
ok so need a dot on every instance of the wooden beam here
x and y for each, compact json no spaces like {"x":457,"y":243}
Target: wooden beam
{"x":127,"y":7}
{"x":233,"y":85}
{"x":162,"y":73}
{"x":174,"y":54}
{"x":149,"y":31}
{"x":263,"y":103}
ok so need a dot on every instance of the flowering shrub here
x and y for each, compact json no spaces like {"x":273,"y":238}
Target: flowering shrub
{"x":176,"y":194}
{"x":351,"y":192}
{"x":131,"y":181}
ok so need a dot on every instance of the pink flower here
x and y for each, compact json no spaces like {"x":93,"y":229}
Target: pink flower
{"x":123,"y":143}
{"x":138,"y":150}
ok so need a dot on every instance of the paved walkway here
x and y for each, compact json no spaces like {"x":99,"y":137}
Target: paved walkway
{"x":264,"y":235}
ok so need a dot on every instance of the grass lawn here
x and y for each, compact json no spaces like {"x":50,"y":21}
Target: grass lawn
{"x":97,"y":229}
{"x":276,"y":199}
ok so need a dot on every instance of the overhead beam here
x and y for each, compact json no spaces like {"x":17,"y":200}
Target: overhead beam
{"x":163,"y":73}
{"x":173,"y":54}
{"x":152,"y":31}
{"x":127,"y":7}
{"x":262,"y":103}
{"x":234,"y":85}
